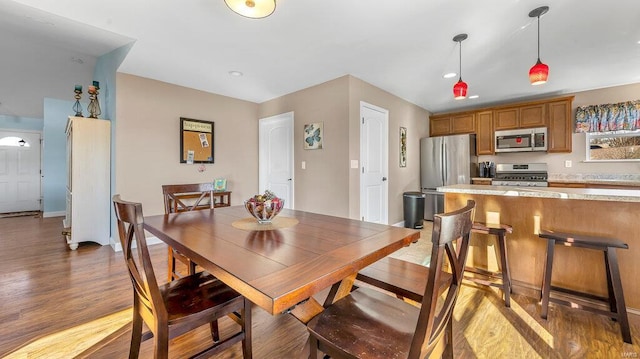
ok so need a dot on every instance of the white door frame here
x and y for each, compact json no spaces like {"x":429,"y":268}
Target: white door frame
{"x":385,"y":161}
{"x":288,"y":117}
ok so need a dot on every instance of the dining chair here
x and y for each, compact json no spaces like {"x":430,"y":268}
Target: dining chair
{"x":183,"y":198}
{"x":368,"y":323}
{"x":179,"y":306}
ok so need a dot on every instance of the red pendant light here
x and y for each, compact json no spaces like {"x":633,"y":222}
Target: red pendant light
{"x":460,"y":88}
{"x":539,"y":73}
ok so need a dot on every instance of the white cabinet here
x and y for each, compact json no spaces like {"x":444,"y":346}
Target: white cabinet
{"x":88,"y":181}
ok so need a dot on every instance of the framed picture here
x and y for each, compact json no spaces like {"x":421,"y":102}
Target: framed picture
{"x":196,"y":141}
{"x":313,"y":135}
{"x":220,"y":184}
{"x":403,"y":147}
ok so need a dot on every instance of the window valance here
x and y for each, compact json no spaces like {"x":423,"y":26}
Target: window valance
{"x":608,"y":117}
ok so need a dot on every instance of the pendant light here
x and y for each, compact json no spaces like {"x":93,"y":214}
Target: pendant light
{"x":460,"y":88}
{"x":255,"y":9}
{"x":540,"y":71}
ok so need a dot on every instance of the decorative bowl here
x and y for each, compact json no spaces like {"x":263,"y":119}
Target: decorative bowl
{"x":264,"y":211}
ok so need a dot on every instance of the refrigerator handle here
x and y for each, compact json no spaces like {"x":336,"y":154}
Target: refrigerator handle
{"x":443,"y":158}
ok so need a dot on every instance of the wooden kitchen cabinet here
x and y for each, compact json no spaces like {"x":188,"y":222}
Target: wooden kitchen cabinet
{"x":560,"y":126}
{"x":555,"y":114}
{"x":464,"y":123}
{"x":452,"y":124}
{"x":484,"y":133}
{"x":440,"y":126}
{"x":520,"y":117}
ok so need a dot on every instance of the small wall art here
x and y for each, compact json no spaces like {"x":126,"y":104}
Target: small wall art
{"x":313,"y":136}
{"x":220,"y":184}
{"x":403,"y":147}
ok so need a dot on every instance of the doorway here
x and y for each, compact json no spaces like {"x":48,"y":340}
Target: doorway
{"x":20,"y":175}
{"x":374,"y":163}
{"x":275,"y":157}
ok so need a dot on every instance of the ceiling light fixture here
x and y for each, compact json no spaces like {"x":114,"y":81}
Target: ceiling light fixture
{"x":22,"y":142}
{"x":255,"y":9}
{"x":235,"y":73}
{"x":449,"y":75}
{"x":460,"y":88}
{"x":539,"y":73}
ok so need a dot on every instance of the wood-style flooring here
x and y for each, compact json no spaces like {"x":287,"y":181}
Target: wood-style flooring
{"x":57,"y":303}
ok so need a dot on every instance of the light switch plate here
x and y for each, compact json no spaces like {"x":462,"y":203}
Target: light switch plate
{"x":354,"y":164}
{"x":304,"y":165}
{"x":568,"y":163}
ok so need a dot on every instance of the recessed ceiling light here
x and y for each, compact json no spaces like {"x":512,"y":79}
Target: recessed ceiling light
{"x":473,"y":96}
{"x":235,"y":73}
{"x":449,"y":75}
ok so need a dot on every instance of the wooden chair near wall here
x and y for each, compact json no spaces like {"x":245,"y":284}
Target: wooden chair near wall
{"x":179,"y":306}
{"x":370,"y":324}
{"x":183,"y":198}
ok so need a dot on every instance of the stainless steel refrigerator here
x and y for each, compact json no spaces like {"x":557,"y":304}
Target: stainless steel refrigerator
{"x":445,"y":160}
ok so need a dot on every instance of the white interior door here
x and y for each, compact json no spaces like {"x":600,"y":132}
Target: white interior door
{"x":374,"y":166}
{"x":19,"y":171}
{"x":275,"y":156}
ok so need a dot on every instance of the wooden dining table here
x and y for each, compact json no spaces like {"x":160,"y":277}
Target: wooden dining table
{"x":280,"y":267}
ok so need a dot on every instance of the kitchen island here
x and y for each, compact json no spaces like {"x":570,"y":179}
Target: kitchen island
{"x":600,"y":212}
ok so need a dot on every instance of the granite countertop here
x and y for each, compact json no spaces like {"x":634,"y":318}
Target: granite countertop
{"x":609,"y":179}
{"x":593,"y":194}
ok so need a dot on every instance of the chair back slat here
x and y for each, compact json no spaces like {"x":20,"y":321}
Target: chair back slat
{"x":188,"y":197}
{"x":130,"y":223}
{"x":437,"y":303}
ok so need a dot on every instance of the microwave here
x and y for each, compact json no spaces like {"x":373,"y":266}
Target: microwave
{"x":521,"y":140}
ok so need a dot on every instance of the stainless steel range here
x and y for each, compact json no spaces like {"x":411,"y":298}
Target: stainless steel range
{"x":523,"y":174}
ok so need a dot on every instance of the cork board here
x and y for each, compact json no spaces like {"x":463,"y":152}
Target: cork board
{"x":196,"y":141}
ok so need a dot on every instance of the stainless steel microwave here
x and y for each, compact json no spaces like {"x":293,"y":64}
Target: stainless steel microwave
{"x":521,"y":140}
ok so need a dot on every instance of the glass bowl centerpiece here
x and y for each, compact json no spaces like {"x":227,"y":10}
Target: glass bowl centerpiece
{"x":264,"y":207}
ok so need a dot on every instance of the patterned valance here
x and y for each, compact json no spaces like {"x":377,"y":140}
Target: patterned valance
{"x":608,"y":117}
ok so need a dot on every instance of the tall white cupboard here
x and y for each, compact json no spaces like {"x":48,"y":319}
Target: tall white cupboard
{"x":88,"y":209}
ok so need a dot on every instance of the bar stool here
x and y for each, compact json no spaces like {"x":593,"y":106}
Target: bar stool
{"x":500,"y":231}
{"x":618,"y":309}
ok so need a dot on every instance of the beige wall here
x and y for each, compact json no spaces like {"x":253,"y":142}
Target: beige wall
{"x":323,"y":186}
{"x":401,"y":114}
{"x":328,"y":184}
{"x":556,"y":161}
{"x":147,"y":140}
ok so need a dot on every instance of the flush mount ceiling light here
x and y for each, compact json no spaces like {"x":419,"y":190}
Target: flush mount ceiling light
{"x":449,"y":75}
{"x":460,"y":88}
{"x":255,"y":9}
{"x":539,"y":73}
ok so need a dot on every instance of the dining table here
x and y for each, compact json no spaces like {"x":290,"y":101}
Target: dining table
{"x":280,"y":266}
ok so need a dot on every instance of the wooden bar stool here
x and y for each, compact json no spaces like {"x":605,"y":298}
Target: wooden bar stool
{"x":618,"y":309}
{"x":500,"y":231}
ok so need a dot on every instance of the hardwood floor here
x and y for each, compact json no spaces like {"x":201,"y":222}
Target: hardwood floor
{"x":46,"y":289}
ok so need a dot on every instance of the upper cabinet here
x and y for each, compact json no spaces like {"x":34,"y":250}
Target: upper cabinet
{"x":560,"y":126}
{"x":520,"y":117}
{"x":452,"y":124}
{"x":555,"y":114}
{"x":484,"y":133}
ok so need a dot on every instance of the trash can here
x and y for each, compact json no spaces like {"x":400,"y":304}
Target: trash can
{"x":413,"y":205}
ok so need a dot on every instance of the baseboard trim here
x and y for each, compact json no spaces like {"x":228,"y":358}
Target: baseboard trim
{"x":117,"y":247}
{"x":54,"y":214}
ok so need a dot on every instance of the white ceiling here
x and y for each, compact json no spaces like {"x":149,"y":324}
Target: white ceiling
{"x":402,"y":46}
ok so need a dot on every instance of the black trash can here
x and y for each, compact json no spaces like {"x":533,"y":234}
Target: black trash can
{"x":413,"y":205}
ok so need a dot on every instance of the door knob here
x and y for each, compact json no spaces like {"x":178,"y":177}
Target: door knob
{"x":384,"y":179}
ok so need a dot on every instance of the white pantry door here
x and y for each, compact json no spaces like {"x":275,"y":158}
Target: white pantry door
{"x":20,"y":177}
{"x":374,"y":166}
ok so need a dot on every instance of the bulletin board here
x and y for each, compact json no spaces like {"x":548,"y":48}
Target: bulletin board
{"x":196,"y":141}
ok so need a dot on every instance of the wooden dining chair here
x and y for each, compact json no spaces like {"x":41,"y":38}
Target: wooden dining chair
{"x":368,"y":323}
{"x":179,"y":306}
{"x":183,"y":198}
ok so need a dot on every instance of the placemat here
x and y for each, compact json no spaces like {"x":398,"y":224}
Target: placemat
{"x":251,"y":224}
